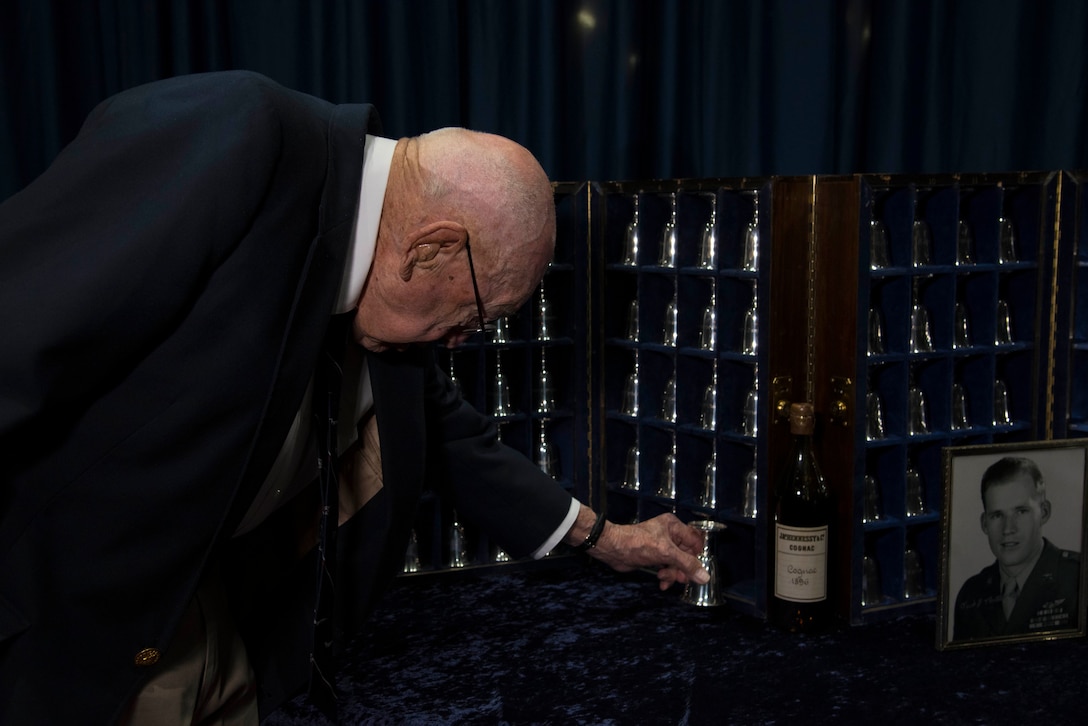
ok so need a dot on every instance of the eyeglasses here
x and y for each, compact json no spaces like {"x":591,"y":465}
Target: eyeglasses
{"x":485,"y":327}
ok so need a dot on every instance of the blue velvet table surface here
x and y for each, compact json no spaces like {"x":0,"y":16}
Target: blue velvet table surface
{"x":582,"y":645}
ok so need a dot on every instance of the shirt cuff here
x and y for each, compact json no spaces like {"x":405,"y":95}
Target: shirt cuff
{"x":560,"y":532}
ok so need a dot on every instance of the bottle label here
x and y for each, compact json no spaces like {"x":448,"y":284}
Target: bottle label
{"x":800,"y":563}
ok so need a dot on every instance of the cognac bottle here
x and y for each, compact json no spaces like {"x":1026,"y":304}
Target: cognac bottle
{"x":802,"y":527}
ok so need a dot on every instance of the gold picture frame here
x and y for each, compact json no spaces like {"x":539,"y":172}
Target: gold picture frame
{"x":1013,"y":569}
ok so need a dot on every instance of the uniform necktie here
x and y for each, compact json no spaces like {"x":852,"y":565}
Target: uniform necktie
{"x":1008,"y":597}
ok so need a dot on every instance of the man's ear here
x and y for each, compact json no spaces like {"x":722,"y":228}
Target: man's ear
{"x":1044,"y":511}
{"x":424,"y":246}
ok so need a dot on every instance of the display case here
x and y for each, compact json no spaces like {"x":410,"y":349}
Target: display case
{"x":683,"y":353}
{"x":950,"y":324}
{"x":682,"y":317}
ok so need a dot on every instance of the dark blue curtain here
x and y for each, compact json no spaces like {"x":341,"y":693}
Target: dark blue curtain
{"x":600,"y":89}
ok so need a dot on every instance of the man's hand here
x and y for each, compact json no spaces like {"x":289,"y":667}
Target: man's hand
{"x":663,"y":543}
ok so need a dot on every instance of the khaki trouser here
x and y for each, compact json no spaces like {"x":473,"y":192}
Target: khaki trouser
{"x":204,"y":676}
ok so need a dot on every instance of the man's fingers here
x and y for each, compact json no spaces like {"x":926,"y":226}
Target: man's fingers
{"x":690,"y":540}
{"x":686,"y":569}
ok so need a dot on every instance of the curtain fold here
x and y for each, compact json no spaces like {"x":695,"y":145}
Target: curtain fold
{"x":600,"y":89}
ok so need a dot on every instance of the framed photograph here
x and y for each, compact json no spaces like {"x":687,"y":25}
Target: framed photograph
{"x":1013,"y":534}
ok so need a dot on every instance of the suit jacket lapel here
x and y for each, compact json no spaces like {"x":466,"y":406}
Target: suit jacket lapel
{"x":315,"y":294}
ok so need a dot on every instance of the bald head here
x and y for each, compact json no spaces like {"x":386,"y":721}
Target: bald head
{"x":499,"y":191}
{"x":447,"y":190}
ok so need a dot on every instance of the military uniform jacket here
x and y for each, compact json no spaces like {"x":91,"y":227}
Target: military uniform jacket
{"x":1049,"y":600}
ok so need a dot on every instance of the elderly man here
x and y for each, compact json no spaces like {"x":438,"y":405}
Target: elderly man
{"x":215,"y":417}
{"x":1032,"y":585}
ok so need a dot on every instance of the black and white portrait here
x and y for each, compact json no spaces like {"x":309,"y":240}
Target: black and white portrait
{"x":1013,"y":541}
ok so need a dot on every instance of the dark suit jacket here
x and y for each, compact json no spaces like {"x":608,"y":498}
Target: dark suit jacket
{"x":1049,"y":599}
{"x":164,"y":290}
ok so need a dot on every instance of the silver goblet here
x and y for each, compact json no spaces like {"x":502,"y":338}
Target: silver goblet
{"x":1006,"y":252}
{"x":502,"y":331}
{"x":458,"y":546}
{"x":631,"y":480}
{"x":545,"y":393}
{"x":500,"y":393}
{"x":545,"y":317}
{"x":872,"y":511}
{"x":708,"y":418}
{"x":708,"y":333}
{"x":921,"y":337}
{"x":879,"y":257}
{"x":959,"y":408}
{"x":961,"y":332}
{"x":1003,"y":331}
{"x":668,"y":401}
{"x":670,"y":332}
{"x":708,"y":496}
{"x":411,"y":554}
{"x":670,"y":238}
{"x":874,"y":417}
{"x":876,"y":333}
{"x":750,"y":341}
{"x":667,"y":488}
{"x":965,"y":245}
{"x":630,"y":249}
{"x":916,"y":492}
{"x":546,"y":457}
{"x":921,"y":244}
{"x":750,"y":422}
{"x":708,"y":594}
{"x":750,"y":504}
{"x":629,"y":404}
{"x":917,"y":414}
{"x":750,"y":258}
{"x":632,"y":321}
{"x":1002,"y":412}
{"x":914,"y":578}
{"x":708,"y":250}
{"x":871,"y":591}
{"x":452,"y":373}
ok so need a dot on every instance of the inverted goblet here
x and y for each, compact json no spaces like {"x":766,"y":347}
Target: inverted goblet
{"x":751,"y":330}
{"x":670,"y":331}
{"x":708,"y":594}
{"x":878,"y":245}
{"x":630,"y":248}
{"x":871,"y":591}
{"x":708,"y":496}
{"x":667,"y":488}
{"x":708,"y":333}
{"x":1007,"y":244}
{"x":914,"y":577}
{"x":872,"y":511}
{"x":916,"y":493}
{"x":708,"y":249}
{"x":668,"y":401}
{"x":1002,"y":412}
{"x":670,"y":239}
{"x":965,"y":245}
{"x":750,"y":504}
{"x":921,"y":244}
{"x":876,"y":333}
